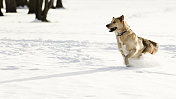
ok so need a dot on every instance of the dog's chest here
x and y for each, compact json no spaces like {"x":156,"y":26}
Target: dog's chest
{"x":122,"y":47}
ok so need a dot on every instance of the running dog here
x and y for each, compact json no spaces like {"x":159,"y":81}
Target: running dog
{"x":130,"y":45}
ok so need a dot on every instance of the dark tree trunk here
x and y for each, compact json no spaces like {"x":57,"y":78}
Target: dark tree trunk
{"x":32,"y":6}
{"x":46,"y":9}
{"x":52,"y":5}
{"x":1,"y":3}
{"x":59,"y":4}
{"x":42,"y":15}
{"x":1,"y":6}
{"x":1,"y":14}
{"x":10,"y":6}
{"x":38,"y":10}
{"x":21,"y":3}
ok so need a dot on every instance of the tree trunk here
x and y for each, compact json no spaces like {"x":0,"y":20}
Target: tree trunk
{"x":1,"y":14}
{"x":32,"y":6}
{"x":1,"y":6}
{"x":38,"y":10}
{"x":1,"y":3}
{"x":46,"y":9}
{"x":10,"y":6}
{"x":42,"y":15}
{"x":52,"y":6}
{"x":21,"y":3}
{"x":59,"y":4}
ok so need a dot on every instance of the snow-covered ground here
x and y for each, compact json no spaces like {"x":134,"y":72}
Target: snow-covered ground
{"x":75,"y":57}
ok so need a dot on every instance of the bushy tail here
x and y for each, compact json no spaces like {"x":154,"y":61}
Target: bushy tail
{"x":155,"y":47}
{"x":150,"y":46}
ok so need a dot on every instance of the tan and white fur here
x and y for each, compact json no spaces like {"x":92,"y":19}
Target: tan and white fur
{"x":130,"y":45}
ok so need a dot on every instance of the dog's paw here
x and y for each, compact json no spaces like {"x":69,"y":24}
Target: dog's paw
{"x":126,"y":61}
{"x":129,"y":65}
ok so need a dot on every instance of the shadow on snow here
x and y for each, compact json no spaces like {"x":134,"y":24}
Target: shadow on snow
{"x":67,"y":74}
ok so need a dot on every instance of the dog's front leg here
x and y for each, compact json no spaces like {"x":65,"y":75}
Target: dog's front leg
{"x":122,"y":53}
{"x":131,"y":53}
{"x":119,"y":46}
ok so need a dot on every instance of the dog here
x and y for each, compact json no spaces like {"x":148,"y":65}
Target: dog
{"x":130,"y":45}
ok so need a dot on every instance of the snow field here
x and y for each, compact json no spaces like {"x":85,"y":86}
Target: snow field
{"x":75,"y":57}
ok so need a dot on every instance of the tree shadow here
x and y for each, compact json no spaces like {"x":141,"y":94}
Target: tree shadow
{"x":119,"y":68}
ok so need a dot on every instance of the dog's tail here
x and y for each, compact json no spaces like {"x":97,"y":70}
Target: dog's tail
{"x":155,"y":46}
{"x":150,"y":46}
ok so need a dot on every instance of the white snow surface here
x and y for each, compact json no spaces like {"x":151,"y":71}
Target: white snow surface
{"x":75,"y":57}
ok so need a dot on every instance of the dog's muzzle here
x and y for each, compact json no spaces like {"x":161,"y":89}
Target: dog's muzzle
{"x":112,"y":29}
{"x":107,"y":25}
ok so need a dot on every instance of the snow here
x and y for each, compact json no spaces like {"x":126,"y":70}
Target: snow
{"x":75,"y":57}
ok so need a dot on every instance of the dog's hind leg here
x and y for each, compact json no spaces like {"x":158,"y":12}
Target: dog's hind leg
{"x":131,"y":53}
{"x":139,"y":54}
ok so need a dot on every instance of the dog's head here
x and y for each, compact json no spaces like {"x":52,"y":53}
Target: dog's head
{"x":116,"y":24}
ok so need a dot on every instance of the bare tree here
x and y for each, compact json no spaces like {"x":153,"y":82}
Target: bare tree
{"x":1,"y":14}
{"x":32,"y":6}
{"x":59,"y":4}
{"x":52,"y":6}
{"x":21,"y":3}
{"x":10,"y":6}
{"x":1,"y":3}
{"x":38,"y":9}
{"x":42,"y":14}
{"x":1,"y":6}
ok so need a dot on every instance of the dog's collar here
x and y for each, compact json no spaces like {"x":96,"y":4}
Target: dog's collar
{"x":120,"y":34}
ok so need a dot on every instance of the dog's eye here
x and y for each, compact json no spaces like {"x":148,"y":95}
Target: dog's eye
{"x":114,"y":22}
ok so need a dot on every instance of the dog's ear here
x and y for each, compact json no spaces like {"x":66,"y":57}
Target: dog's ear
{"x":121,"y":18}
